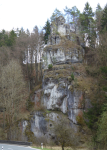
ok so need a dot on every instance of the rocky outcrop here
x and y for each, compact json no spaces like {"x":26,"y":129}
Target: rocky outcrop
{"x":58,"y":55}
{"x":60,"y":94}
{"x":60,"y":27}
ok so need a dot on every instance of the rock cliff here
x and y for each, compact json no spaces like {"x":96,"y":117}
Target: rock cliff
{"x":61,"y":94}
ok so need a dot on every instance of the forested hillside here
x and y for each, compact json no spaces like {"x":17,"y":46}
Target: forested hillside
{"x":56,"y":76}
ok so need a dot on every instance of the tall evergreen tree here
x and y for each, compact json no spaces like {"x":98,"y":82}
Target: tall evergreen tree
{"x":88,"y":23}
{"x":12,"y":37}
{"x":47,"y":31}
{"x":87,"y":18}
{"x":104,"y":19}
{"x":98,"y":16}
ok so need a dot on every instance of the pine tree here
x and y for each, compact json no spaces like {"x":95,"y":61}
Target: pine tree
{"x":88,"y":25}
{"x":74,"y":15}
{"x":98,"y":16}
{"x":104,"y":19}
{"x":12,"y":37}
{"x":55,"y":15}
{"x":87,"y":18}
{"x":47,"y":31}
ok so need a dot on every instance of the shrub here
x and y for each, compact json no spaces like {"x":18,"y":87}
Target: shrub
{"x":50,"y":66}
{"x":72,"y":76}
{"x":79,"y":118}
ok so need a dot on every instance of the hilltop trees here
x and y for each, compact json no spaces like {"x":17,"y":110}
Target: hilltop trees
{"x":7,"y":39}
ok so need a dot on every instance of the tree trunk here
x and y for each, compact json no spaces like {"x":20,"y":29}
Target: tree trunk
{"x":62,"y":147}
{"x":41,"y":70}
{"x":36,"y":68}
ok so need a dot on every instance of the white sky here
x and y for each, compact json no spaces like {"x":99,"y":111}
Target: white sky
{"x":28,"y":13}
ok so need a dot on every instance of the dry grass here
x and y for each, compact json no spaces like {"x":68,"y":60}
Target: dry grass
{"x":59,"y":148}
{"x":85,"y":83}
{"x":56,"y":74}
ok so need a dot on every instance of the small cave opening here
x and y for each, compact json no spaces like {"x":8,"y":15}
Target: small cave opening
{"x":50,"y":125}
{"x":53,"y":137}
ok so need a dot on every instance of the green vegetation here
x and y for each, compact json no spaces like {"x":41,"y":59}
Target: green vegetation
{"x":55,"y":15}
{"x":47,"y":31}
{"x":41,"y":148}
{"x":50,"y":66}
{"x":7,"y":39}
{"x":29,"y":133}
{"x":72,"y":76}
{"x":104,"y":19}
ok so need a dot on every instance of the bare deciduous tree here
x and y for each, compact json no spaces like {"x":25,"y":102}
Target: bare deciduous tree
{"x":12,"y":94}
{"x":65,"y":135}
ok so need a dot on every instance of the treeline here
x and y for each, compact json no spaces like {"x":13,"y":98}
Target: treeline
{"x":87,"y":24}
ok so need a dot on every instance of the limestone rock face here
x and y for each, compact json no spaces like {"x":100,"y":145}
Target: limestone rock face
{"x":55,"y":96}
{"x":59,"y":56}
{"x":42,"y":125}
{"x":60,"y":96}
{"x":38,"y":124}
{"x":59,"y":26}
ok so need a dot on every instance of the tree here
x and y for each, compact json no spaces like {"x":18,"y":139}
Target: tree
{"x":65,"y":135}
{"x":55,"y":15}
{"x":47,"y":31}
{"x":96,"y":115}
{"x":12,"y":94}
{"x":74,"y":16}
{"x":104,"y":19}
{"x":102,"y":129}
{"x":28,"y":32}
{"x":12,"y":38}
{"x":98,"y":16}
{"x":88,"y":25}
{"x":7,"y":38}
{"x":87,"y":18}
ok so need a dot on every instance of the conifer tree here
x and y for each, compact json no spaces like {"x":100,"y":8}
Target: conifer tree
{"x":104,"y":19}
{"x":55,"y":15}
{"x":47,"y":31}
{"x":87,"y":18}
{"x":98,"y":15}
{"x":88,"y":25}
{"x":74,"y":15}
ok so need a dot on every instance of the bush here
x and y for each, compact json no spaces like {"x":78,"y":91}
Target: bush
{"x":50,"y":66}
{"x":64,"y":134}
{"x":72,"y":76}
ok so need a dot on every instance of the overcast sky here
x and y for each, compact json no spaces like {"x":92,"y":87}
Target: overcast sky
{"x":28,"y":13}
